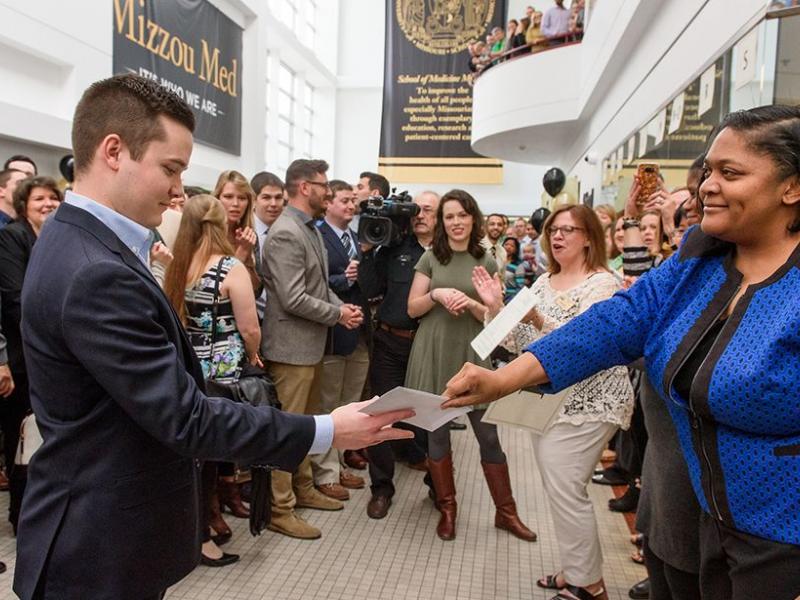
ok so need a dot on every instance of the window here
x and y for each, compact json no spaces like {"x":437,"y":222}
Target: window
{"x":298,"y":15}
{"x":306,"y":140}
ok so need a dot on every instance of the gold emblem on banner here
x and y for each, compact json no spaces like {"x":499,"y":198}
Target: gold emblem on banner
{"x":443,"y":26}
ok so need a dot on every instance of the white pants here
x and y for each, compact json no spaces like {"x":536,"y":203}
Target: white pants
{"x":567,"y":455}
{"x":343,"y":379}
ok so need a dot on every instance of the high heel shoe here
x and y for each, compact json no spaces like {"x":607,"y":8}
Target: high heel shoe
{"x":230,"y":498}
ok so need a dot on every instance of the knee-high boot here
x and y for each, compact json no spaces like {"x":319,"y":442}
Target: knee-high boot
{"x":442,"y":474}
{"x":506,"y":517}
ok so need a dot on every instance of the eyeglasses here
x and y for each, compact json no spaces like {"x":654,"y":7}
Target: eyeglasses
{"x":325,"y":185}
{"x":566,"y":230}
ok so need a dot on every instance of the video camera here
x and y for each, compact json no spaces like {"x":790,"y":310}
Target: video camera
{"x":386,"y":221}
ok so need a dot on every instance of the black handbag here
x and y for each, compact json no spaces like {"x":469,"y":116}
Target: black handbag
{"x":254,"y":387}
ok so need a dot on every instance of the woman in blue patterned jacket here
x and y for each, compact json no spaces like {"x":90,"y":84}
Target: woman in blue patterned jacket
{"x":719,"y":327}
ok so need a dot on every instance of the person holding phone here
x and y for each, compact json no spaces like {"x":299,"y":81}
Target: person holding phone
{"x":719,"y":329}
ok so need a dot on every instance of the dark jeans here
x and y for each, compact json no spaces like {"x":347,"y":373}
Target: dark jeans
{"x":739,"y":566}
{"x":387,"y":370}
{"x":667,"y":582}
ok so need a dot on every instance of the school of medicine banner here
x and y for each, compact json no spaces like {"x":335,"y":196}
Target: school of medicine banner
{"x":427,"y":99}
{"x":191,"y":48}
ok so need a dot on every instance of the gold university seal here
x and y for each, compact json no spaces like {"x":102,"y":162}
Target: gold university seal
{"x":443,"y":26}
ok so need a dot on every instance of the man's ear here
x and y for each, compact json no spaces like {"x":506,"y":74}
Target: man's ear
{"x":110,"y":151}
{"x":791,"y":195}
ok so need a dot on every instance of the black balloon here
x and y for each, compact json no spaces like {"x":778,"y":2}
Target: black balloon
{"x":554,"y":181}
{"x":538,"y":218}
{"x":67,"y":167}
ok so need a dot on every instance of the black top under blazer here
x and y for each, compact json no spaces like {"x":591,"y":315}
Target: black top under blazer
{"x":111,"y":507}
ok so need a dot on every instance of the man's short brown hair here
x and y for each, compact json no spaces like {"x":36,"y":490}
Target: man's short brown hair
{"x":303,"y":169}
{"x":338,"y":185}
{"x":129,"y":106}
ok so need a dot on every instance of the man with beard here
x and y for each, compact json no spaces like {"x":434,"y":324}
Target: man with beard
{"x":300,"y":310}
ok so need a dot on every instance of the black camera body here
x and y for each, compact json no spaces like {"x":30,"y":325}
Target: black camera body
{"x":386,"y":221}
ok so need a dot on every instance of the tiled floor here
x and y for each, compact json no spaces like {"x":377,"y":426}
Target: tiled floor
{"x":400,"y":557}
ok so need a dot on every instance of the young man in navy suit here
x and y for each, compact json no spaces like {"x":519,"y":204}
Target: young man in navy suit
{"x":111,"y":507}
{"x":346,"y":361}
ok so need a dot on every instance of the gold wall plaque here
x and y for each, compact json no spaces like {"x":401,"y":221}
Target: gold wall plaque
{"x":443,"y":26}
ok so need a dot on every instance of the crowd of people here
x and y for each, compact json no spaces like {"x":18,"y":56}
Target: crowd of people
{"x":268,"y":272}
{"x":534,"y":32}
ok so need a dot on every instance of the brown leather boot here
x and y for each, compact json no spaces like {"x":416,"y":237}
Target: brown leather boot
{"x":506,"y":517}
{"x":230,"y":498}
{"x":442,"y":474}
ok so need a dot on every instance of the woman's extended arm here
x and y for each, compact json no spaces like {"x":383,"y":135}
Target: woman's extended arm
{"x":476,"y":385}
{"x":239,"y":289}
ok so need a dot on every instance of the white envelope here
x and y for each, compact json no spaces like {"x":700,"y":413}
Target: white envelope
{"x":527,"y":409}
{"x":429,"y":414}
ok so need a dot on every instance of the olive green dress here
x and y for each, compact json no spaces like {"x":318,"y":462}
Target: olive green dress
{"x":442,"y":343}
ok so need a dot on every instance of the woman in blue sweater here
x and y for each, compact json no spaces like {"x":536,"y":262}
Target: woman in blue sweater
{"x":719,"y":327}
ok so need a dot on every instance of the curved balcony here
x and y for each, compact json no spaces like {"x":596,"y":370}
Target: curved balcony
{"x":531,"y":108}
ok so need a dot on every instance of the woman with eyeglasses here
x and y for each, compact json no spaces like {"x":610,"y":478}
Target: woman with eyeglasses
{"x":594,"y":410}
{"x":718,"y":326}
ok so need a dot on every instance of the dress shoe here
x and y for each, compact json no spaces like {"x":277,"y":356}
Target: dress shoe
{"x":627,"y":502}
{"x":3,"y":567}
{"x":419,"y":466}
{"x":378,"y":507}
{"x":294,"y":526}
{"x":351,"y":481}
{"x":610,"y":476}
{"x":355,"y":460}
{"x":640,"y":591}
{"x":334,"y":490}
{"x":3,"y":481}
{"x":456,"y":426}
{"x":318,"y":501}
{"x":223,"y":561}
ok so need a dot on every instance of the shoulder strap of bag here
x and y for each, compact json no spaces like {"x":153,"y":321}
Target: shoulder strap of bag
{"x":215,"y":314}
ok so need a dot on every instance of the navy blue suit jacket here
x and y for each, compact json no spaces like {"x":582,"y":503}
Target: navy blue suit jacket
{"x":111,"y":507}
{"x":343,"y":341}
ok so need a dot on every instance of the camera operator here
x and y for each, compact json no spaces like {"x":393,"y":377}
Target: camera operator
{"x":369,"y":185}
{"x":389,"y":271}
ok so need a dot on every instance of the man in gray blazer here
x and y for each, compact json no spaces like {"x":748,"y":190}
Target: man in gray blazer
{"x":297,"y":316}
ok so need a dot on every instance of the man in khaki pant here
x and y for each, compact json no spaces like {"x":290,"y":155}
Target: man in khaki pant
{"x":299,"y":310}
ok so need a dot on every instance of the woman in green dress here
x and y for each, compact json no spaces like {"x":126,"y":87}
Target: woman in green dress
{"x":443,"y":298}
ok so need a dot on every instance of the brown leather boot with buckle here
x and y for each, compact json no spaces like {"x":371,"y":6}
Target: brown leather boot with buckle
{"x":442,"y":474}
{"x":506,"y":517}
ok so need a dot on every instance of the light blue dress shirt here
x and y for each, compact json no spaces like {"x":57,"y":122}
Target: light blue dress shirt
{"x":139,"y":239}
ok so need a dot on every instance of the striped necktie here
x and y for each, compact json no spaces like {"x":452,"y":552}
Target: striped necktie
{"x":347,"y":242}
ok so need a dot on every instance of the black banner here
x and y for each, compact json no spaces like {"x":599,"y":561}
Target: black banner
{"x":191,"y":48}
{"x":427,"y":98}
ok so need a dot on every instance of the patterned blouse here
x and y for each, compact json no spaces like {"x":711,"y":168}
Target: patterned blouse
{"x":224,"y":362}
{"x":605,"y":397}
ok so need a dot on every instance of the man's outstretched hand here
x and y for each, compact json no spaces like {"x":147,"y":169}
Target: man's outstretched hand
{"x":472,"y":385}
{"x":353,"y":429}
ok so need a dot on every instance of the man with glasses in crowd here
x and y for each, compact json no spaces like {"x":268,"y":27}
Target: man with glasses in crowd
{"x":300,"y":310}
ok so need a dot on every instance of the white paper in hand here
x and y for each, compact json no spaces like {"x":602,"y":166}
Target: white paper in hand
{"x":428,"y":407}
{"x":499,"y":327}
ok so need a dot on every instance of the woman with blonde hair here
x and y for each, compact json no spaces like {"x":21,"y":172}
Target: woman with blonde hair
{"x":212,"y":294}
{"x":234,"y":191}
{"x":594,"y":409}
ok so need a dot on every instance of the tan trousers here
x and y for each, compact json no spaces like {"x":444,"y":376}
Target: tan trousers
{"x":343,"y":379}
{"x":567,"y":455}
{"x":298,"y":392}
